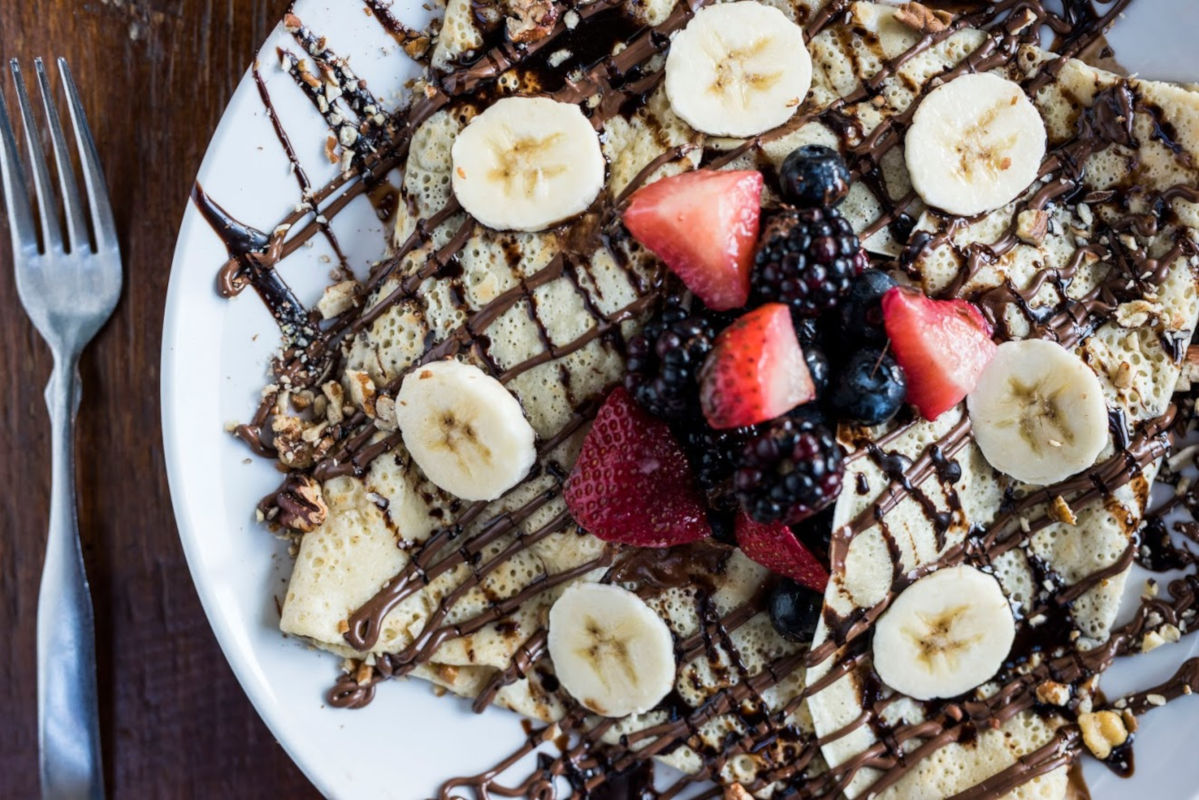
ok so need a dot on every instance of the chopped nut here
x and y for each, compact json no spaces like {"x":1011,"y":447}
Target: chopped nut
{"x":1062,"y":512}
{"x":296,"y":450}
{"x":922,"y":18}
{"x":1155,"y":699}
{"x":336,"y":399}
{"x":1151,"y":641}
{"x":385,"y":413}
{"x":1032,"y":225}
{"x":301,"y":503}
{"x":1085,"y":214}
{"x":736,"y":791}
{"x":291,"y":23}
{"x":1130,"y":720}
{"x":364,"y":674}
{"x":1122,"y":375}
{"x":531,"y":20}
{"x":1053,"y":693}
{"x":362,"y":391}
{"x":572,"y":19}
{"x":447,"y":672}
{"x":1150,"y":590}
{"x":1136,"y":313}
{"x":343,"y":626}
{"x":1170,"y":633}
{"x":1102,"y":731}
{"x":338,"y":299}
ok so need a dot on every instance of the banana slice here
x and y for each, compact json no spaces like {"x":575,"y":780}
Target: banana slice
{"x":527,"y":163}
{"x":738,"y":69}
{"x":974,"y":145}
{"x":610,"y":650}
{"x":944,"y":635}
{"x":464,"y":430}
{"x":1038,"y":412}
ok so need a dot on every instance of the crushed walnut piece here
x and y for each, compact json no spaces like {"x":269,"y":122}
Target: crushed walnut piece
{"x":362,"y":391}
{"x":1062,"y":512}
{"x":297,"y":448}
{"x":1032,"y":225}
{"x":736,"y":791}
{"x":1053,"y":693}
{"x":385,"y":413}
{"x":923,"y":19}
{"x":301,"y":504}
{"x":1122,"y":375}
{"x":1102,"y":731}
{"x":364,"y":674}
{"x":1137,"y":313}
{"x":338,"y":299}
{"x":530,"y":20}
{"x":335,"y":398}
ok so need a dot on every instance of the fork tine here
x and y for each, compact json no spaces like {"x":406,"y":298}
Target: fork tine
{"x":93,"y":177}
{"x":72,"y":203}
{"x":12,"y":178}
{"x":47,"y":205}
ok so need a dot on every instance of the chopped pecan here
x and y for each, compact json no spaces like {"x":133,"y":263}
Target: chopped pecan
{"x":922,"y":18}
{"x":530,"y":20}
{"x":1032,"y":225}
{"x":301,"y":504}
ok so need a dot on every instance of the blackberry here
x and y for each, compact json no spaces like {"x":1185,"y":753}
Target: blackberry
{"x":713,"y":458}
{"x":794,"y":610}
{"x":814,"y":175}
{"x":808,"y":259}
{"x":861,"y":313}
{"x":870,"y":388}
{"x":664,"y":359}
{"x":789,"y":469}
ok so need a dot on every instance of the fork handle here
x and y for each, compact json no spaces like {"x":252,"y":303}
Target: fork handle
{"x":68,"y":718}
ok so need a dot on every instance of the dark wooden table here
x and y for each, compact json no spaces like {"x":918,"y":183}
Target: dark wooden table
{"x":155,"y":76}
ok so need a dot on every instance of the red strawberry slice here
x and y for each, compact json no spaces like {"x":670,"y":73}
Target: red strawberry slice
{"x":942,"y":346}
{"x":756,"y":370}
{"x":775,"y":547}
{"x":704,"y":225}
{"x":632,"y":483}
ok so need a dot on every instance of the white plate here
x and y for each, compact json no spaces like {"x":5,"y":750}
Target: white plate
{"x":213,"y":364}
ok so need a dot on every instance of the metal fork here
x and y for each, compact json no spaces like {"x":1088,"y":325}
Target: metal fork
{"x":69,"y":278}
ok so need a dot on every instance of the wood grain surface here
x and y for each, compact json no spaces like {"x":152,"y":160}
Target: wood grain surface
{"x":155,"y":76}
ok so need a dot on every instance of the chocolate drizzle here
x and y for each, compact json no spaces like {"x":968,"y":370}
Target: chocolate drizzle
{"x":619,"y":84}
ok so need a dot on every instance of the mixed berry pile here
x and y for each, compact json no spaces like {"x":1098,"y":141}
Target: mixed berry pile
{"x":726,"y":423}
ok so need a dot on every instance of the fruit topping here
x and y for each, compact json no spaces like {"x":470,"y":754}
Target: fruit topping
{"x":664,"y":360}
{"x":789,"y":469}
{"x":774,"y":546}
{"x":944,"y":635}
{"x":1038,"y":412}
{"x":756,"y":370}
{"x":737,"y":69}
{"x":869,"y":389}
{"x":632,"y":483}
{"x":814,"y":176}
{"x":807,"y":258}
{"x":794,"y":610}
{"x":704,"y":225}
{"x":942,"y":346}
{"x":610,"y":650}
{"x":861,"y":313}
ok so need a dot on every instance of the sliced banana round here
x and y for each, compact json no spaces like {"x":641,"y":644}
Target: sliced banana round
{"x":464,"y":429}
{"x":975,"y":144}
{"x":527,"y":163}
{"x":610,"y":650}
{"x":737,"y":69}
{"x":1038,"y":413}
{"x":944,"y":635}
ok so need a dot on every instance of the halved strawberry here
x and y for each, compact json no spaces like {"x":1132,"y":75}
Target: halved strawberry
{"x":632,"y":483}
{"x":775,"y":547}
{"x":704,"y":225}
{"x":942,"y":346}
{"x":756,"y":370}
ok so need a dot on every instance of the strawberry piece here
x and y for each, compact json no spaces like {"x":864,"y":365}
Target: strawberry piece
{"x":942,"y":346}
{"x":632,"y":483}
{"x":775,"y":547}
{"x":704,"y":225}
{"x":756,"y":370}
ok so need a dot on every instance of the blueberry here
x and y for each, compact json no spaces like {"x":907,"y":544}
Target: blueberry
{"x":815,"y":176}
{"x":794,"y":610}
{"x":861,"y":312}
{"x":869,"y":389}
{"x":818,"y":368}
